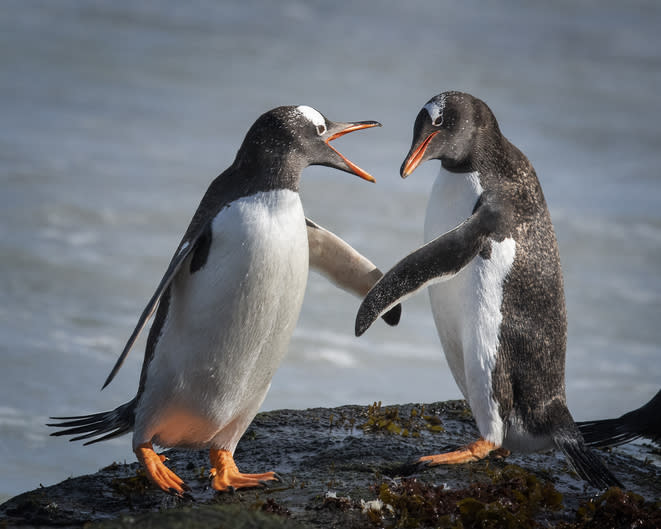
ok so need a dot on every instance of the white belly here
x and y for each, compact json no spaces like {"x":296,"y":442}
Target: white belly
{"x":228,"y":325}
{"x":466,"y":307}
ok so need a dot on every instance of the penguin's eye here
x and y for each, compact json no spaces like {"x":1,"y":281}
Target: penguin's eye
{"x":438,"y":121}
{"x":321,"y":129}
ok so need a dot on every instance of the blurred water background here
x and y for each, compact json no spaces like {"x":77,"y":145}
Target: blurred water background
{"x":115,"y":116}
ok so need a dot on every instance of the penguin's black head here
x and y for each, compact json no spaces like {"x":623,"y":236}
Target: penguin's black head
{"x":449,"y":128}
{"x":301,"y":136}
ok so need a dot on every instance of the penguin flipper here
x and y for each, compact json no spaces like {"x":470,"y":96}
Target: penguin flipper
{"x":185,"y":248}
{"x":436,"y":261}
{"x":344,"y":266}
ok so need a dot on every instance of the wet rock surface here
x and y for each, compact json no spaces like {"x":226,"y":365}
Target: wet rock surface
{"x":354,"y":466}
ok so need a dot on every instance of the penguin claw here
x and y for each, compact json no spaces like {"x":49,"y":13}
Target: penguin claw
{"x":187,"y":493}
{"x":184,"y":490}
{"x":273,"y":476}
{"x":421,"y":465}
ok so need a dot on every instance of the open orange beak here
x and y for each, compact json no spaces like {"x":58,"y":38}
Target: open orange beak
{"x":350,"y":128}
{"x":414,"y":159}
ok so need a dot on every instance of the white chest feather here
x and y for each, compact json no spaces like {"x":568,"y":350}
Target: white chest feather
{"x":467,"y":307}
{"x":230,"y":322}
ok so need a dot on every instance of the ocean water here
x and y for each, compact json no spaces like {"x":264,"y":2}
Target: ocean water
{"x":115,"y":116}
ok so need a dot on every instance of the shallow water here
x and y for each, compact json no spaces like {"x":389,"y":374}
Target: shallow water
{"x":115,"y":117}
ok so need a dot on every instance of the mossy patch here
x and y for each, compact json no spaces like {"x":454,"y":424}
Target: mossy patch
{"x":389,"y":420}
{"x":617,"y":508}
{"x":514,"y":499}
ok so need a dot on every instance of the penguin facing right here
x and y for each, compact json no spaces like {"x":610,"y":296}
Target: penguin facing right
{"x":495,"y":284}
{"x":229,"y":302}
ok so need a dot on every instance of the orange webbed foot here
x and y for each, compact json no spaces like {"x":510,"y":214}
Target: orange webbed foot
{"x":472,"y":452}
{"x":157,"y":472}
{"x":226,"y":476}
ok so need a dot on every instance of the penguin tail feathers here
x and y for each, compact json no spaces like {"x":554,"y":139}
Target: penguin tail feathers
{"x":642,"y":422}
{"x":607,"y":432}
{"x":105,"y":425}
{"x":585,"y":462}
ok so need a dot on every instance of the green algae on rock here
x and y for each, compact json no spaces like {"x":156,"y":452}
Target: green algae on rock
{"x":389,"y":420}
{"x":513,"y":498}
{"x":617,"y":508}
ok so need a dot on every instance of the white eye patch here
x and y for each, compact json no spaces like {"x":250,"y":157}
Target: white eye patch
{"x":435,"y":111}
{"x":313,"y":117}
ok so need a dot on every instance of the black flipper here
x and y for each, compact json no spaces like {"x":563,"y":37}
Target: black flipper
{"x":344,"y":266}
{"x":642,"y":422}
{"x":187,"y":245}
{"x":107,"y":424}
{"x":437,"y":260}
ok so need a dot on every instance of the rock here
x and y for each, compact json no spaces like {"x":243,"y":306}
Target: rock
{"x":353,"y":466}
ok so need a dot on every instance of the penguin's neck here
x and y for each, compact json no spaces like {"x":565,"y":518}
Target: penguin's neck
{"x":269,"y":167}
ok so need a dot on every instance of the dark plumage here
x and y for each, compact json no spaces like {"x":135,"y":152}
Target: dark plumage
{"x":642,"y":422}
{"x":493,"y":270}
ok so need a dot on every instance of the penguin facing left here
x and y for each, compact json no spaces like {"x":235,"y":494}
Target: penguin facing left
{"x":495,"y":284}
{"x":229,"y":301}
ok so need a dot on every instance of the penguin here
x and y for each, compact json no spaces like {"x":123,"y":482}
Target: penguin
{"x":229,"y":301}
{"x":642,"y":422}
{"x":492,"y":268}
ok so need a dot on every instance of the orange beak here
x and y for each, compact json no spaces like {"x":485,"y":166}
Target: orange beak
{"x":352,"y":127}
{"x":415,"y":157}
